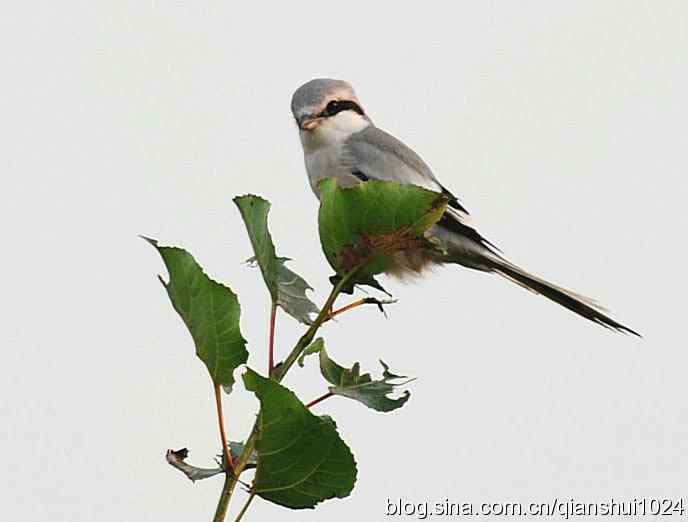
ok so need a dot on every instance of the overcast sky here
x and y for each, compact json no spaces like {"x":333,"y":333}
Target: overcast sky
{"x":562,"y":127}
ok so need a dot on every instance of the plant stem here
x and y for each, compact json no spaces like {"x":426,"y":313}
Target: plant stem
{"x":232,"y":475}
{"x":306,"y":338}
{"x":357,"y":303}
{"x":319,"y":399}
{"x":271,"y":348}
{"x":225,"y":496}
{"x":343,"y":309}
{"x":243,"y":509}
{"x":221,"y":421}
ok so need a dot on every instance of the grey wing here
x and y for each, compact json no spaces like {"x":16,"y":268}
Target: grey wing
{"x":374,"y":154}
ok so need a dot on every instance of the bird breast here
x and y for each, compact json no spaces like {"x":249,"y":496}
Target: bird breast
{"x":326,"y":162}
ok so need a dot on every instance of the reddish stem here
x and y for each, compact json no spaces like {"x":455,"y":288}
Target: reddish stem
{"x":221,"y":422}
{"x":343,"y":309}
{"x":319,"y":399}
{"x":271,"y":349}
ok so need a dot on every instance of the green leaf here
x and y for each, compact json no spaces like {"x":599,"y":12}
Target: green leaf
{"x":367,"y":280}
{"x":301,"y":458}
{"x":286,"y":288}
{"x":210,"y":311}
{"x":367,"y":224}
{"x":362,"y":388}
{"x":314,"y":347}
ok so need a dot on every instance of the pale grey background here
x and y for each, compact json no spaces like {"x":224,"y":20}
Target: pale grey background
{"x":562,"y":125}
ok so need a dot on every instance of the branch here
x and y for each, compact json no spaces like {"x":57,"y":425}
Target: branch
{"x":319,"y":399}
{"x":281,"y":370}
{"x":243,"y":509}
{"x":361,"y":302}
{"x":278,"y":373}
{"x":271,"y":342}
{"x":226,"y":454}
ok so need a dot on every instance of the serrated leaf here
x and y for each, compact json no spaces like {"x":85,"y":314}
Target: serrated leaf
{"x":286,"y":288}
{"x":301,"y":458}
{"x":367,"y":224}
{"x":210,"y":311}
{"x":360,"y":387}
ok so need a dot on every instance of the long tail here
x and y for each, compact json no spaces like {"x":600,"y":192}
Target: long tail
{"x":581,"y":305}
{"x":465,"y":246}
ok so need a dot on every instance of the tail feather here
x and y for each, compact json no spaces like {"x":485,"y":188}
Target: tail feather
{"x":578,"y":304}
{"x":465,"y":246}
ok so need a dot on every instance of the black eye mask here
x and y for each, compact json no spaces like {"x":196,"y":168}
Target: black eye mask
{"x":336,"y":106}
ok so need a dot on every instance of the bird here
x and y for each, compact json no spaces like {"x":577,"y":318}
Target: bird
{"x":340,"y":141}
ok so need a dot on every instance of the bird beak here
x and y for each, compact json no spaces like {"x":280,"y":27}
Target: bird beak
{"x":309,"y":123}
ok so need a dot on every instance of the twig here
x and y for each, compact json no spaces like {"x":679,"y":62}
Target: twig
{"x":271,"y":348}
{"x":221,"y":421}
{"x":246,"y":505}
{"x":225,"y":496}
{"x":231,"y":479}
{"x":306,"y":338}
{"x":319,"y":399}
{"x":279,"y":372}
{"x":360,"y":302}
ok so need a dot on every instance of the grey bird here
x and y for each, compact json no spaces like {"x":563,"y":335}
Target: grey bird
{"x":340,"y":141}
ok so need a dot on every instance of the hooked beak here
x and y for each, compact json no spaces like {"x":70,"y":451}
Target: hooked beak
{"x":309,"y":123}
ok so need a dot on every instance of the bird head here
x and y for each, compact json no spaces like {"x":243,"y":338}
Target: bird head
{"x":327,"y":111}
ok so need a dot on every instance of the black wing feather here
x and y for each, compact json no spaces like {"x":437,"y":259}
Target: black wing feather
{"x":452,"y":223}
{"x":453,"y":200}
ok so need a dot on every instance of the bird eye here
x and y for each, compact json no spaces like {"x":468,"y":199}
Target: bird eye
{"x":337,"y":106}
{"x":333,"y":108}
